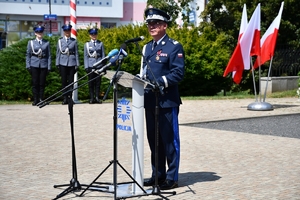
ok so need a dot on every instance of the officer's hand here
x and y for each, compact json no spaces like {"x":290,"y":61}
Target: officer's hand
{"x":29,"y":70}
{"x":48,"y":71}
{"x":76,"y":68}
{"x":58,"y":69}
{"x":87,"y":70}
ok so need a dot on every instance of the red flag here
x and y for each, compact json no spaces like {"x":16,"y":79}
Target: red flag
{"x":248,"y":46}
{"x":243,"y":26}
{"x":268,"y":41}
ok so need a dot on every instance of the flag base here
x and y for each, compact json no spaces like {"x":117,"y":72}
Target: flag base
{"x":260,"y":106}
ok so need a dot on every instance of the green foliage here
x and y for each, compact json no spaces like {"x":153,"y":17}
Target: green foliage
{"x":206,"y":57}
{"x":226,"y":16}
{"x":173,"y":8}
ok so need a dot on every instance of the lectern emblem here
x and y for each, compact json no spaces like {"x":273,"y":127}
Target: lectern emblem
{"x":124,"y":112}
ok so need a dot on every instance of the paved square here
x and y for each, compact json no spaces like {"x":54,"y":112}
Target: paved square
{"x":35,"y":148}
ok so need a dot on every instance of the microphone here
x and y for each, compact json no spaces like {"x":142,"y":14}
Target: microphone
{"x":135,"y":39}
{"x":122,"y":52}
{"x":109,"y":55}
{"x":112,"y":62}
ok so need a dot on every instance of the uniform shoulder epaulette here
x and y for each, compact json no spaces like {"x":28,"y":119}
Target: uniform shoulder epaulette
{"x":61,"y":37}
{"x":174,"y":41}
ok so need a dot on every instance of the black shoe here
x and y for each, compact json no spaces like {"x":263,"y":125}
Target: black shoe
{"x":91,"y":101}
{"x":97,"y":101}
{"x":168,"y":184}
{"x":151,"y":181}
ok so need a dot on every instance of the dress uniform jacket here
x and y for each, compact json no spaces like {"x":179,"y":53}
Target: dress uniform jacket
{"x":93,"y":53}
{"x":166,"y":61}
{"x":67,"y":53}
{"x":38,"y":55}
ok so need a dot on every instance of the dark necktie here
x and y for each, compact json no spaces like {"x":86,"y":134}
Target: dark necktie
{"x":67,"y":40}
{"x":40,"y":42}
{"x":154,"y":45}
{"x":94,"y":43}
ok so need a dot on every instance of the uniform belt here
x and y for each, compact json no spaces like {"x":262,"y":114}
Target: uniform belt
{"x":96,"y":56}
{"x":71,"y":53}
{"x":38,"y":56}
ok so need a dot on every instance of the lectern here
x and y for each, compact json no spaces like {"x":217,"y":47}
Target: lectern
{"x":127,"y":80}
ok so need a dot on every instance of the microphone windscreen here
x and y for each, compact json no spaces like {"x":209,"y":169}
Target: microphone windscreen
{"x":113,"y":60}
{"x":113,"y":53}
{"x":123,"y":46}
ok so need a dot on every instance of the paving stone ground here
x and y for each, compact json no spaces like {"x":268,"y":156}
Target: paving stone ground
{"x":35,"y":149}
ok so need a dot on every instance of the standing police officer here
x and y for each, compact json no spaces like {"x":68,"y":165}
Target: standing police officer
{"x":38,"y":63}
{"x":67,"y":60}
{"x":93,"y":52}
{"x":166,"y":60}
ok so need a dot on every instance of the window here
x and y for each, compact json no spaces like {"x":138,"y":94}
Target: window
{"x":108,"y":25}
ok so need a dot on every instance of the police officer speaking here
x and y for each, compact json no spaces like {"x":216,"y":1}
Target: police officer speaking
{"x":93,"y":52}
{"x":165,"y":57}
{"x":38,"y":63}
{"x":67,"y":59}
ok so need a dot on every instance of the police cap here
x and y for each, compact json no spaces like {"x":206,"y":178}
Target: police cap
{"x":38,"y":29}
{"x":66,"y":27}
{"x":93,"y":31}
{"x":156,"y":14}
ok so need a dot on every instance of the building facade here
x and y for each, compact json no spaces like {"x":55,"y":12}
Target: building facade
{"x":18,"y":17}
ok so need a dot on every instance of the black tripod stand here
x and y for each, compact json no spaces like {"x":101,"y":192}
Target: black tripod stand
{"x":114,"y":162}
{"x":74,"y":184}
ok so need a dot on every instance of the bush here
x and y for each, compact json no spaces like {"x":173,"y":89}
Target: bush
{"x":207,"y":55}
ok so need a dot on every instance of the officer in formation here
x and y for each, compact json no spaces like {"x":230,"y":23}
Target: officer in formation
{"x":165,"y":57}
{"x":93,"y":52}
{"x":67,"y":60}
{"x":38,"y":63}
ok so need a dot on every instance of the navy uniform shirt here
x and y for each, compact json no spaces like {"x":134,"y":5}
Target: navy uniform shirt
{"x":93,"y":53}
{"x":67,"y":53}
{"x":166,"y":61}
{"x":38,"y":55}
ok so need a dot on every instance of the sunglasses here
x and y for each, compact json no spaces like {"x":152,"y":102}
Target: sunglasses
{"x":154,"y":23}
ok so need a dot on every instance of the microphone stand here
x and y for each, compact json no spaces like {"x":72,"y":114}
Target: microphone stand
{"x":115,"y":161}
{"x":45,"y":101}
{"x":157,"y":89}
{"x":74,"y":184}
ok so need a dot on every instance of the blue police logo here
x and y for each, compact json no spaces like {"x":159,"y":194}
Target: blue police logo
{"x":123,"y":104}
{"x":124,"y":112}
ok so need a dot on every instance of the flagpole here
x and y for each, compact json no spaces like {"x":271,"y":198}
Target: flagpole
{"x":253,"y":77}
{"x":268,"y":78}
{"x":73,"y":22}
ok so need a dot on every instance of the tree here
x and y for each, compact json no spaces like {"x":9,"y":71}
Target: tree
{"x":173,"y":8}
{"x":225,"y":16}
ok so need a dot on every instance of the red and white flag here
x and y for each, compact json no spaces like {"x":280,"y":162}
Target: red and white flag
{"x":248,"y":46}
{"x":244,"y":22}
{"x":268,"y":40}
{"x":243,"y":26}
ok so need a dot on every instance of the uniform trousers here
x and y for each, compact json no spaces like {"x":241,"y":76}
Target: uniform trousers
{"x":169,"y":143}
{"x":67,"y":77}
{"x":94,"y":85}
{"x":38,"y":76}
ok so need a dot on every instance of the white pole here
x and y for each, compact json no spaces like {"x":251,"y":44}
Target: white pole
{"x":73,"y":23}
